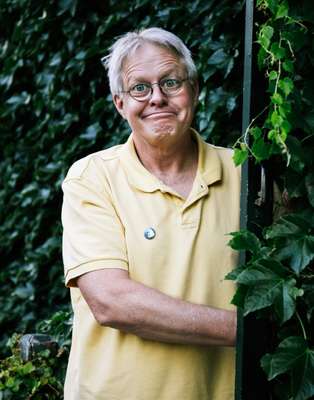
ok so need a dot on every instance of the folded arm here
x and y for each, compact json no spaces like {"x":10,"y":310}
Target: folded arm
{"x":119,"y":302}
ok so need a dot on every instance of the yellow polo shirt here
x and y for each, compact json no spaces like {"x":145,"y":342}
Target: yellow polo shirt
{"x":110,"y":201}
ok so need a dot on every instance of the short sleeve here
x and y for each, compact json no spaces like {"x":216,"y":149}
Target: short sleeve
{"x":93,"y":235}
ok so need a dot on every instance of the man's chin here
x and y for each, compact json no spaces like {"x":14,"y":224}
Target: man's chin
{"x":163,"y":130}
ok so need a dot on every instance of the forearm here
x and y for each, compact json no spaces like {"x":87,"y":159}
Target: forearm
{"x":133,"y":307}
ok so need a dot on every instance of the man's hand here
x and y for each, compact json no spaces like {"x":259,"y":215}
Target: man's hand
{"x":119,"y":302}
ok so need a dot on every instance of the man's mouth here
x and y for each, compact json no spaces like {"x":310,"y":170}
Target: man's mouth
{"x":159,"y":114}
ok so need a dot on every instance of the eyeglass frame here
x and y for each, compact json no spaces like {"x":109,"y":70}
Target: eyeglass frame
{"x":151,"y":88}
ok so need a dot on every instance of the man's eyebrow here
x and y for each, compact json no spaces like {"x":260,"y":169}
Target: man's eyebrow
{"x":166,"y":73}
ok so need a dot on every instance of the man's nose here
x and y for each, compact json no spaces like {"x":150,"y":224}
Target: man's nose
{"x":157,"y":96}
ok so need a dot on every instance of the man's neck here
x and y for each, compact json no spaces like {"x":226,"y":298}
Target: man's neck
{"x":169,"y":158}
{"x":173,"y":164}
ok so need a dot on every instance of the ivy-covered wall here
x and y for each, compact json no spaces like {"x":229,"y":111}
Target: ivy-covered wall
{"x":56,"y":108}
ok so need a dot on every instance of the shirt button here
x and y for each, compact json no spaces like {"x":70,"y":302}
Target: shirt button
{"x":149,"y":233}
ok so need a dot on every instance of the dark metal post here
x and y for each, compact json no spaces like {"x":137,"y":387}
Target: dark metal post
{"x":247,"y":79}
{"x":256,"y":205}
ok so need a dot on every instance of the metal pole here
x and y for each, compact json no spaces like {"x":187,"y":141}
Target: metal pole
{"x":247,"y":81}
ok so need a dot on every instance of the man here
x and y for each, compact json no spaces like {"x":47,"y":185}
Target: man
{"x":145,"y":241}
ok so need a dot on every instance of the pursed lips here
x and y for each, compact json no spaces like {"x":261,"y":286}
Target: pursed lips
{"x":159,"y":114}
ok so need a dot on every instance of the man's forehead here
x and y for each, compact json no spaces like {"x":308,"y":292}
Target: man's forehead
{"x":150,"y":58}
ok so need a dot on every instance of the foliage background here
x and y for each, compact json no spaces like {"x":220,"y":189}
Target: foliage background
{"x":55,"y":108}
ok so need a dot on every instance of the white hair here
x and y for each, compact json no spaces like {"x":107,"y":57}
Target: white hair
{"x":127,"y":44}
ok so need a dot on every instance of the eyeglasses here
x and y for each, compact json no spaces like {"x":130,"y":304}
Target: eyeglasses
{"x":168,"y":86}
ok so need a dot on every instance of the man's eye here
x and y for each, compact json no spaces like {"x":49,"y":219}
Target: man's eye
{"x":140,"y":87}
{"x":170,"y":83}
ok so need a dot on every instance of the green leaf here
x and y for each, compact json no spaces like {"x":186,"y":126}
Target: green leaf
{"x":261,"y":150}
{"x":261,"y":58}
{"x":286,"y":127}
{"x":286,"y":85}
{"x":231,"y":276}
{"x":296,"y":243}
{"x":285,"y":304}
{"x":276,"y":98}
{"x":273,"y":5}
{"x":265,"y":35}
{"x":245,"y":240}
{"x":282,"y":10}
{"x":291,"y":225}
{"x":91,"y":132}
{"x":98,"y":107}
{"x":272,"y":75}
{"x":240,"y":156}
{"x":269,"y":284}
{"x":239,"y":297}
{"x":272,"y":135}
{"x":275,"y":291}
{"x":256,"y":132}
{"x":27,"y":368}
{"x":299,"y":252}
{"x":276,"y":119}
{"x":277,"y":51}
{"x":293,"y":356}
{"x":218,"y":57}
{"x":21,"y":99}
{"x":288,"y":66}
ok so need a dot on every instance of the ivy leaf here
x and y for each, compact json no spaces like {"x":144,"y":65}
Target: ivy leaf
{"x":91,"y":132}
{"x":265,"y":35}
{"x":300,"y":252}
{"x":218,"y":57}
{"x":277,"y":51}
{"x":293,"y":356}
{"x":232,"y":275}
{"x":282,"y":10}
{"x":276,"y":119}
{"x":285,"y":304}
{"x":269,"y":284}
{"x":286,"y":85}
{"x":288,"y":66}
{"x":276,"y":98}
{"x":239,"y":296}
{"x":261,"y":57}
{"x":26,"y":368}
{"x":292,"y":234}
{"x":240,"y":156}
{"x":260,"y":149}
{"x":256,"y":132}
{"x":245,"y":240}
{"x":272,"y":75}
{"x":290,"y":225}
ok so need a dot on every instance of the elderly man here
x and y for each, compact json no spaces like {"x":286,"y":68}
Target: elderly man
{"x":145,"y":244}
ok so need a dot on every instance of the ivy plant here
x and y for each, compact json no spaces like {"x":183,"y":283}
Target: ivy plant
{"x":56,"y":108}
{"x":277,"y":282}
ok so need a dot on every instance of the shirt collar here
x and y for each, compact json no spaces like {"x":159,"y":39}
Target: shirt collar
{"x":209,"y":168}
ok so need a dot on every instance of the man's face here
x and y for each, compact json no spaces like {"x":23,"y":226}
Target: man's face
{"x":161,"y":119}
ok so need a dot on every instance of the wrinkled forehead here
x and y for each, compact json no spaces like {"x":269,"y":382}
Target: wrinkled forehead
{"x":147,"y":55}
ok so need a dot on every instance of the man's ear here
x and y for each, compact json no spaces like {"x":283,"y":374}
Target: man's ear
{"x":118,"y":102}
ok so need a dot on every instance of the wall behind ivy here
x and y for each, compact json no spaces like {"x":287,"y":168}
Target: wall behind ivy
{"x":56,"y":107}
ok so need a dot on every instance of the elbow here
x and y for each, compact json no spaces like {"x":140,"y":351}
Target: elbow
{"x":112,"y":316}
{"x":103,"y":317}
{"x":105,"y":314}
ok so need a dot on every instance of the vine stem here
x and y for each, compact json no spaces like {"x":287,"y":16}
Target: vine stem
{"x":302,"y":326}
{"x":245,"y":136}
